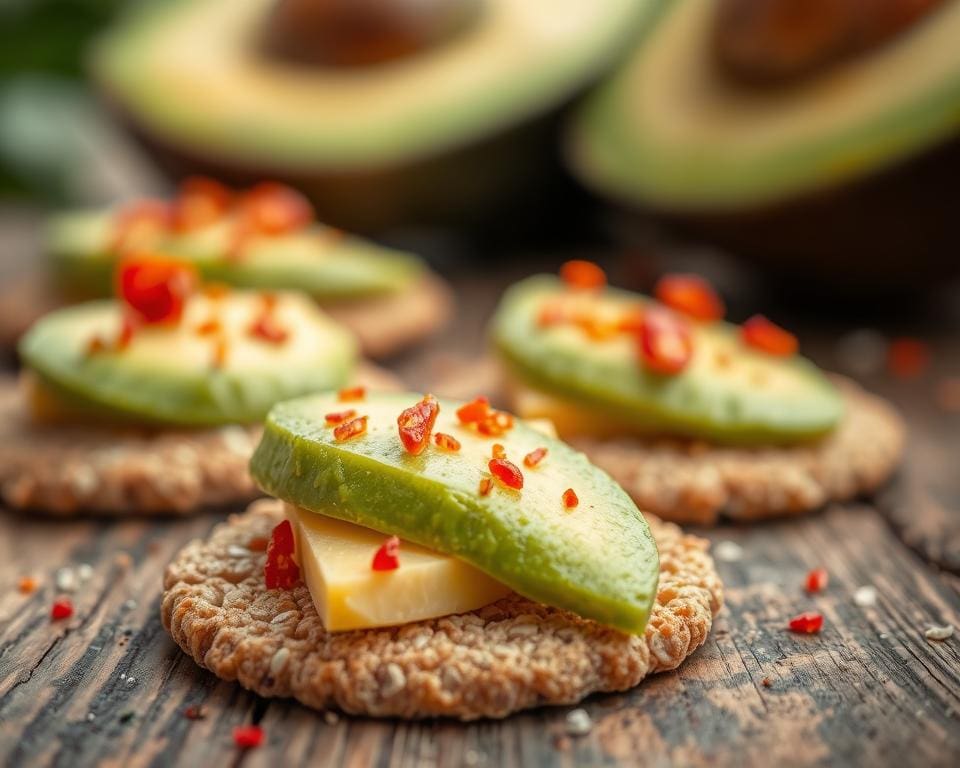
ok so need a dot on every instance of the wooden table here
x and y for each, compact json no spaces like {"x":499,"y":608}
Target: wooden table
{"x":110,"y":687}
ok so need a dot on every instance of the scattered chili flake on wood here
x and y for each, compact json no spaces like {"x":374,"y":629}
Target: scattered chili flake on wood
{"x":816,"y":580}
{"x":570,"y":499}
{"x":507,"y":473}
{"x":907,"y":358}
{"x":267,"y":328}
{"x":415,"y":424}
{"x":486,"y":485}
{"x":498,"y":451}
{"x":760,"y":333}
{"x":766,"y":682}
{"x":27,"y":585}
{"x":156,"y":288}
{"x":387,"y":556}
{"x":248,"y":736}
{"x":665,"y":343}
{"x":446,"y":442}
{"x":808,"y":623}
{"x":195,"y":712}
{"x":62,"y":608}
{"x":534,"y":457}
{"x":338,"y":417}
{"x":351,"y":429}
{"x":690,"y":295}
{"x":582,"y":275}
{"x":351,"y":394}
{"x":281,"y":571}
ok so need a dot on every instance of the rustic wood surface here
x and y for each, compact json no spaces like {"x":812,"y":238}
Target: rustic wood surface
{"x":109,"y":687}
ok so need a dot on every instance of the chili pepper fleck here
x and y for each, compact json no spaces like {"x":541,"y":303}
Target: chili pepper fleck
{"x":248,"y":736}
{"x":666,"y":346}
{"x":486,"y":485}
{"x":760,"y":333}
{"x":533,"y":458}
{"x":27,"y":585}
{"x":474,"y":411}
{"x":351,"y":429}
{"x":816,"y":580}
{"x":351,"y":394}
{"x":581,"y":274}
{"x":268,"y":329}
{"x":691,"y":295}
{"x":806,"y":623}
{"x":62,"y":608}
{"x":570,"y":499}
{"x":387,"y":557}
{"x":415,"y":424}
{"x":155,"y":288}
{"x":195,"y":712}
{"x":446,"y":442}
{"x":507,"y":473}
{"x":339,"y":417}
{"x":498,"y":451}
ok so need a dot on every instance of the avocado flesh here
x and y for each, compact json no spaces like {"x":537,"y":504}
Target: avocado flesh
{"x":167,"y":375}
{"x":728,"y":393}
{"x":188,"y":73}
{"x":669,"y":131}
{"x":597,"y":560}
{"x":320,"y":261}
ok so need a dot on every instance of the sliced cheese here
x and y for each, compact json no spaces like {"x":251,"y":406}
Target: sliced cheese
{"x":335,"y":561}
{"x":561,"y":417}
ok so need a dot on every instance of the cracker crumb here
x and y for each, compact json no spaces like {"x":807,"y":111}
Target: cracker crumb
{"x":578,"y":722}
{"x":865,"y":597}
{"x":84,"y":571}
{"x":65,"y":580}
{"x":727,"y":551}
{"x":330,"y":717}
{"x":937,"y":633}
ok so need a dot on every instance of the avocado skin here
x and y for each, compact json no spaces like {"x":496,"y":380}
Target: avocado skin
{"x":524,"y":540}
{"x":691,"y":404}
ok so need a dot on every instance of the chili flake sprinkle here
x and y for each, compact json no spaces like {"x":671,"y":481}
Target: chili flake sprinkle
{"x":248,"y":736}
{"x":350,"y":429}
{"x":570,"y":499}
{"x":760,"y":333}
{"x":338,"y":417}
{"x":809,"y":623}
{"x":415,"y":424}
{"x":507,"y":473}
{"x":816,"y":580}
{"x":27,"y":585}
{"x":533,"y":458}
{"x":446,"y":442}
{"x":387,"y":557}
{"x":486,"y":485}
{"x":498,"y":451}
{"x":62,"y":608}
{"x":195,"y":712}
{"x":208,"y":327}
{"x":268,"y":329}
{"x":582,"y":274}
{"x":220,"y":349}
{"x":351,"y":393}
{"x":691,"y":295}
{"x":474,"y":411}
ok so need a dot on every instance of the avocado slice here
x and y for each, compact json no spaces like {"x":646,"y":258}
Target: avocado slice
{"x":597,"y":560}
{"x":369,"y":144}
{"x":167,"y":375}
{"x":728,"y":393}
{"x":669,"y":131}
{"x":321,"y":261}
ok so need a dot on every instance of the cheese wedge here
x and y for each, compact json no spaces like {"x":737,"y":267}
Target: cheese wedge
{"x":335,"y":561}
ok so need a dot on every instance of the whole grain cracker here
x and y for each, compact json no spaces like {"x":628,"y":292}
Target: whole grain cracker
{"x":508,"y":656}
{"x":73,"y":469}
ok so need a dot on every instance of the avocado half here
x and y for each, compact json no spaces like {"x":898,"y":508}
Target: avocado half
{"x":370,"y":145}
{"x":844,"y":169}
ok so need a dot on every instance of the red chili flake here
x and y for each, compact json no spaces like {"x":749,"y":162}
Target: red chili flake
{"x":596,"y":328}
{"x":486,"y":485}
{"x":446,"y":442}
{"x":201,"y":201}
{"x":387,"y":557}
{"x":62,"y":608}
{"x":338,"y":417}
{"x":816,"y":580}
{"x":498,"y":451}
{"x":27,"y":585}
{"x":195,"y":712}
{"x":351,"y":393}
{"x":582,"y":274}
{"x":631,"y":321}
{"x":534,"y":457}
{"x":140,"y":224}
{"x":570,"y":499}
{"x":128,"y":328}
{"x":766,"y":682}
{"x":760,"y":333}
{"x":220,"y":349}
{"x":507,"y":473}
{"x":274,"y":209}
{"x":248,"y":736}
{"x":265,"y":327}
{"x":806,"y":623}
{"x":280,"y":571}
{"x":474,"y":411}
{"x":495,"y":424}
{"x":665,"y":342}
{"x":415,"y":424}
{"x":258,"y":544}
{"x":208,"y":327}
{"x":550,"y":314}
{"x":350,"y":429}
{"x":690,"y":295}
{"x":155,"y":288}
{"x":96,"y":344}
{"x":907,"y":358}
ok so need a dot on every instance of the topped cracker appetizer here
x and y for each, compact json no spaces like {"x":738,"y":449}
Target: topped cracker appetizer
{"x":694,"y":416}
{"x":263,"y":238}
{"x":152,"y":402}
{"x":435,"y":558}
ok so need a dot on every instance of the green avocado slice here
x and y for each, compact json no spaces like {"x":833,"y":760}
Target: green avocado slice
{"x":597,"y":560}
{"x":167,"y":375}
{"x":669,"y":131}
{"x":320,"y":261}
{"x":728,"y":393}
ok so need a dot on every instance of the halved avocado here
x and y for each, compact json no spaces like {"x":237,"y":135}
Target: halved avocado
{"x":194,"y":81}
{"x":808,"y":172}
{"x":170,"y":375}
{"x":597,"y":559}
{"x":728,"y":393}
{"x":320,"y":261}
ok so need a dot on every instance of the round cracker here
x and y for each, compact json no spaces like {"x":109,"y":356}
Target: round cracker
{"x":694,"y":482}
{"x":511,"y":655}
{"x":387,"y":324}
{"x":71,"y":469}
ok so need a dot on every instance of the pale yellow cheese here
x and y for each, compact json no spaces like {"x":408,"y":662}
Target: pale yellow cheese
{"x":335,"y":561}
{"x":564,"y":418}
